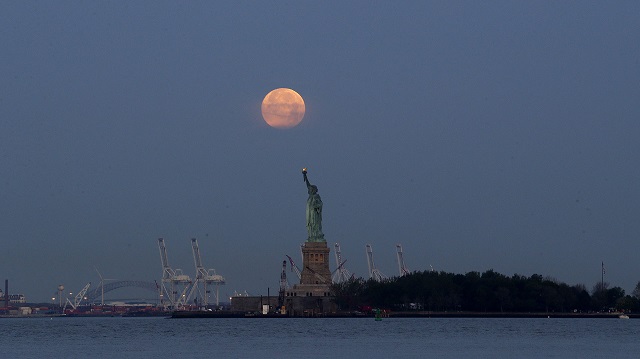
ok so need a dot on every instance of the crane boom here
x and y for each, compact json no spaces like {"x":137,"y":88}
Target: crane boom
{"x":374,"y":273}
{"x":401,"y":266}
{"x":197,"y":259}
{"x":167,"y":271}
{"x":341,"y":274}
{"x":294,"y":267}
{"x":78,"y":298}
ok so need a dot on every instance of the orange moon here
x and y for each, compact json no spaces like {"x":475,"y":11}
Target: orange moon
{"x":283,"y":108}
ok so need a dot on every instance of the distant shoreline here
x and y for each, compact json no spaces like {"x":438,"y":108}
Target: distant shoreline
{"x":188,"y":314}
{"x":507,"y":315}
{"x":355,"y":315}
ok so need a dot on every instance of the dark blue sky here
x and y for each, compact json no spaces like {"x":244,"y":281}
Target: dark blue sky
{"x":500,"y":134}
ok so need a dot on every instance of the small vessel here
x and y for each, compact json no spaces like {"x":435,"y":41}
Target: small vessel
{"x":623,"y":316}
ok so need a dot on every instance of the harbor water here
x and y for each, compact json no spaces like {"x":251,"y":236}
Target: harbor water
{"x":62,"y":337}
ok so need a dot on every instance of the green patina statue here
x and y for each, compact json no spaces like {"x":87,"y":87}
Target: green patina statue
{"x":314,"y":212}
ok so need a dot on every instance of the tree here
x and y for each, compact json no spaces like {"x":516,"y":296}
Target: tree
{"x":504,"y":298}
{"x":627,"y":303}
{"x":599,"y":300}
{"x":347,"y":294}
{"x":613,"y":295}
{"x":482,"y":292}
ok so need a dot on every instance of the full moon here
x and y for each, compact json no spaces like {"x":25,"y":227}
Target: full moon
{"x":283,"y":108}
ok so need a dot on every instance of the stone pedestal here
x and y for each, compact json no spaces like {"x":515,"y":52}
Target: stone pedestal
{"x":312,"y":297}
{"x":315,"y":261}
{"x":315,"y":278}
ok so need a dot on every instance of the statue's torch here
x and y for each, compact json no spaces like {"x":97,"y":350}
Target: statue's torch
{"x":304,"y":176}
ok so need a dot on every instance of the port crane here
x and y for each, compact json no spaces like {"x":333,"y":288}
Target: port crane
{"x":341,"y":274}
{"x":204,"y":278}
{"x":283,"y":285}
{"x":175,"y":284}
{"x":401,"y":266}
{"x":294,"y":267}
{"x":77,"y":300}
{"x":374,"y":273}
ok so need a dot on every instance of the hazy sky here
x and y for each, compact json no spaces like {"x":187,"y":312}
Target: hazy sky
{"x":479,"y":135}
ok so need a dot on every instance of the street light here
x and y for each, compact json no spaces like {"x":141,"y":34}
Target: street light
{"x":60,"y":289}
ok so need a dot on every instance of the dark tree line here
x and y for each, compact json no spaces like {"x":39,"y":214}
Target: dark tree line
{"x":481,"y":292}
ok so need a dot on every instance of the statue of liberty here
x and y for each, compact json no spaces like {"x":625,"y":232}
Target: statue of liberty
{"x":314,"y":212}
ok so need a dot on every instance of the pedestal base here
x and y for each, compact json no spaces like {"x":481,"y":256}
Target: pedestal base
{"x":315,"y":261}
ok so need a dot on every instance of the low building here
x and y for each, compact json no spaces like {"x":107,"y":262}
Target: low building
{"x":17,"y":299}
{"x":13,"y":298}
{"x":294,"y":306}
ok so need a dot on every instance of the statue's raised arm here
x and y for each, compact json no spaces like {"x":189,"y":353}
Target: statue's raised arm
{"x":314,"y":212}
{"x":306,"y":180}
